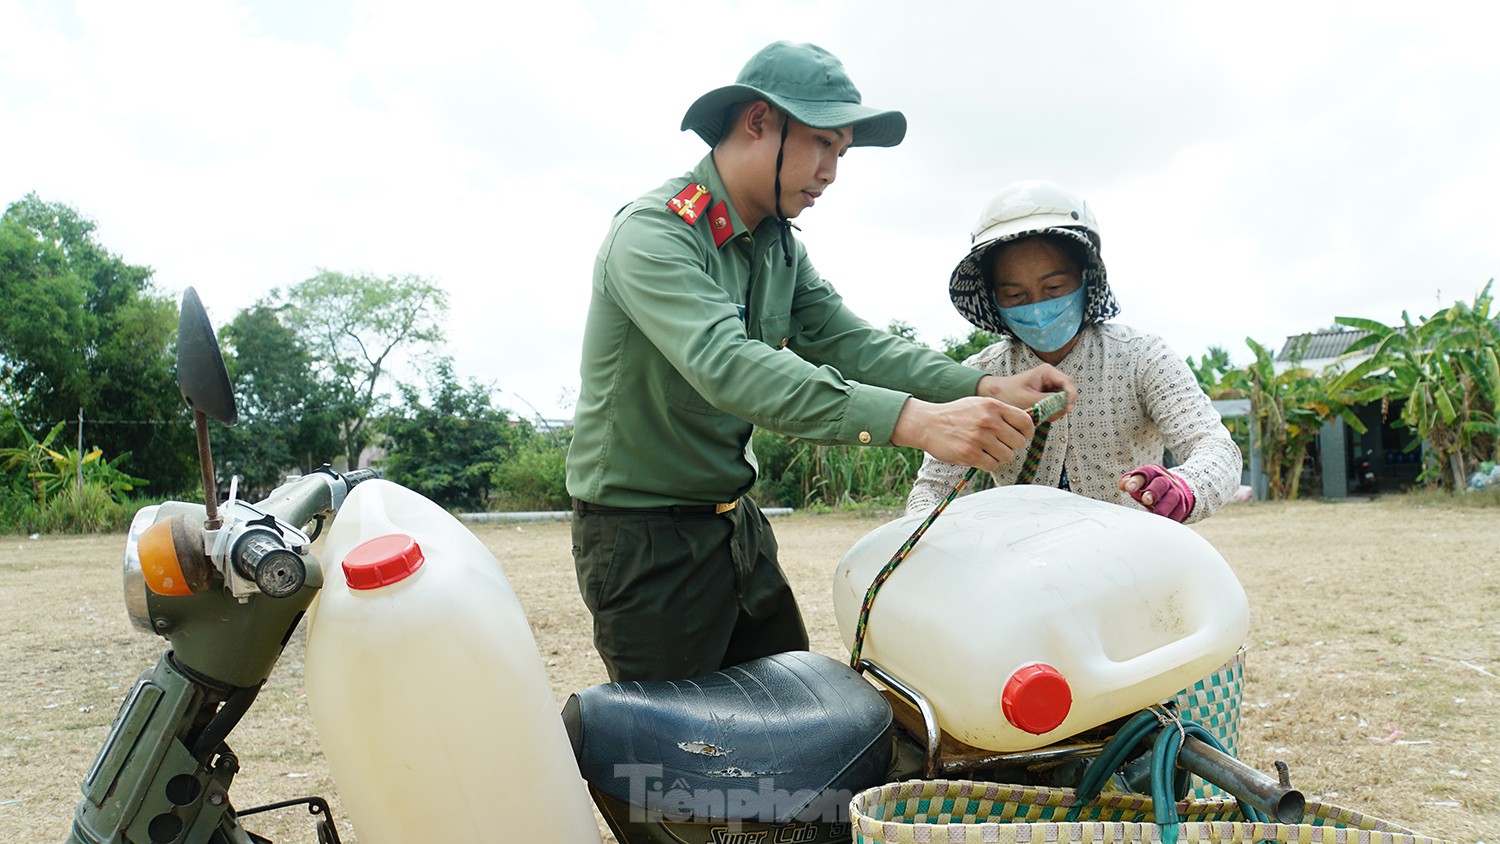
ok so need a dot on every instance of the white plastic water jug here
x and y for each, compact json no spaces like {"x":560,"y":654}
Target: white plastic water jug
{"x":1027,"y":614}
{"x":424,"y":681}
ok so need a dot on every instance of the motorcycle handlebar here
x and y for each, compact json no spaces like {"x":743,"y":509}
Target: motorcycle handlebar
{"x":298,"y":501}
{"x":359,"y":476}
{"x":261,"y":556}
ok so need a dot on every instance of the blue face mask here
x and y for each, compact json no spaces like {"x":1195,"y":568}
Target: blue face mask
{"x":1048,"y":325}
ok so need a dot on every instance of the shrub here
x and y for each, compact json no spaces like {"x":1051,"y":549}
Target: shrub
{"x":534,"y":477}
{"x":40,"y":489}
{"x":87,"y":509}
{"x":798,"y":473}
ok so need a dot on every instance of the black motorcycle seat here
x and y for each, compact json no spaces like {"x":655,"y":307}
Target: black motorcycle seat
{"x":793,"y":736}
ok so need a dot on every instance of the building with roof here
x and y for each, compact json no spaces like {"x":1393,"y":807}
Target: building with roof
{"x":1318,"y":350}
{"x":1343,"y":462}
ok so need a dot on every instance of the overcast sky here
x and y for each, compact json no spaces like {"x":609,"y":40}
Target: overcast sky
{"x":1256,"y":169}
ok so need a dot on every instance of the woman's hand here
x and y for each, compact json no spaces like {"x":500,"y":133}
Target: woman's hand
{"x":1159,"y":491}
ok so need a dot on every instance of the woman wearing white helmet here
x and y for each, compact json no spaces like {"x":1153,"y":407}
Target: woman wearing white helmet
{"x":1034,"y":275}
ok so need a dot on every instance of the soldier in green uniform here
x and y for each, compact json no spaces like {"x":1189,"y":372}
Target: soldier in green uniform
{"x":707,"y":319}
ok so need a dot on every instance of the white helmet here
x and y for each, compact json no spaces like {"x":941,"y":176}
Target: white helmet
{"x":1020,"y":210}
{"x":1030,"y":206}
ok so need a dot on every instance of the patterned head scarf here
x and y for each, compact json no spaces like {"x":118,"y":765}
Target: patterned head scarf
{"x":974,"y":296}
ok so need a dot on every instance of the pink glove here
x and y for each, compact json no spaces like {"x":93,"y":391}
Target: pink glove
{"x":1159,"y":491}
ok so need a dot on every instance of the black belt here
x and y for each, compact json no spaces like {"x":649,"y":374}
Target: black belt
{"x":670,"y":510}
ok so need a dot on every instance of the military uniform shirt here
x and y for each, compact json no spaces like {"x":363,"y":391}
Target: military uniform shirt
{"x":690,"y":343}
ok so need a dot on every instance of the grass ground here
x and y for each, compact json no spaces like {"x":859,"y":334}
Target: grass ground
{"x":1371,"y":668}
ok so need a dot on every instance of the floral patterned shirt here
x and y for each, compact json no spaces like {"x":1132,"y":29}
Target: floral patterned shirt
{"x":1136,"y":399}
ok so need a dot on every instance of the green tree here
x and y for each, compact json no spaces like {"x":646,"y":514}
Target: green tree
{"x":1446,"y":369}
{"x":41,"y":358}
{"x":449,"y":447}
{"x":82,"y":330}
{"x":963,"y":349}
{"x":352,"y":325}
{"x":288,"y":418}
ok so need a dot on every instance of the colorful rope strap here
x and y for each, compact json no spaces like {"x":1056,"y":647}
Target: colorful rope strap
{"x":1048,"y":407}
{"x":1033,"y":459}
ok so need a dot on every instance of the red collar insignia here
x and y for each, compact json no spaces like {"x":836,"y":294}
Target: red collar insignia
{"x":689,"y":204}
{"x":718,"y":221}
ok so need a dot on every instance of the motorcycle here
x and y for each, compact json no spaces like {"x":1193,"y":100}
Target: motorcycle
{"x":768,"y":751}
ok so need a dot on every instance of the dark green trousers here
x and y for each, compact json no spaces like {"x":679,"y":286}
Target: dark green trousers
{"x":680,"y":595}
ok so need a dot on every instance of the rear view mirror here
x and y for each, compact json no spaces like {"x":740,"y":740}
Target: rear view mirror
{"x":201,"y":375}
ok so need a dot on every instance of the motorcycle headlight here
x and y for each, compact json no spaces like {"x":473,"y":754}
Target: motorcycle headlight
{"x":163,"y":556}
{"x":135,"y":580}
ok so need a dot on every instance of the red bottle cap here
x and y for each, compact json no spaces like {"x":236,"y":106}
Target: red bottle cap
{"x":382,"y":561}
{"x":1036,"y":698}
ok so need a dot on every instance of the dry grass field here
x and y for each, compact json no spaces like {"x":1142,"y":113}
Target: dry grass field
{"x":1373,"y":666}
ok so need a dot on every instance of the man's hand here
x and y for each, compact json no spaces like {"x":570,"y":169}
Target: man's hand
{"x":976,"y":431}
{"x":1028,"y":388}
{"x":1159,"y":491}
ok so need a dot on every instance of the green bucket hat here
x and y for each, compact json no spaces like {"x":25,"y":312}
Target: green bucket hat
{"x":805,"y":81}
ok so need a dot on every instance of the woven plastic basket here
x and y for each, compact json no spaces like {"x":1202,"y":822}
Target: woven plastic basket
{"x":966,"y":812}
{"x":1214,"y":702}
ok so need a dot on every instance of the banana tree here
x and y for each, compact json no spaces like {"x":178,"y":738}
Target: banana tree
{"x":30,"y":462}
{"x":1446,"y":369}
{"x":1473,"y":342}
{"x":48,"y":471}
{"x":1288,"y":408}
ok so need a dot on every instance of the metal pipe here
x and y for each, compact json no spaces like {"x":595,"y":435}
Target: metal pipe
{"x":298,"y":500}
{"x":915,"y":698}
{"x":1042,"y":755}
{"x":206,"y":464}
{"x":1277,"y":799}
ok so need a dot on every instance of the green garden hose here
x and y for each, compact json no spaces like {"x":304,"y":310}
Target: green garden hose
{"x":1167,"y":779}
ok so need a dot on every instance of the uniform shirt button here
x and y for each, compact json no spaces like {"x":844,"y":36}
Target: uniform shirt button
{"x":864,"y":437}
